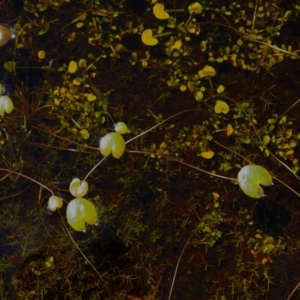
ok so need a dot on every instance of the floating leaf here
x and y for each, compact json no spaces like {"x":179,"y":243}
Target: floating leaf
{"x":5,"y":34}
{"x":85,"y":134}
{"x":250,"y":177}
{"x":229,"y":130}
{"x":6,"y":105}
{"x":82,"y":63}
{"x":220,"y":89}
{"x":148,"y":39}
{"x":72,"y":66}
{"x":159,"y":11}
{"x":78,"y":188}
{"x":221,"y":107}
{"x":112,"y":143}
{"x":207,"y":154}
{"x":81,"y":211}
{"x":41,"y":54}
{"x":195,"y":8}
{"x":207,"y":71}
{"x":121,"y":128}
{"x":90,"y":97}
{"x":198,"y":95}
{"x":54,"y":203}
{"x":10,"y":66}
{"x":177,"y":45}
{"x":266,"y":140}
{"x":105,"y":145}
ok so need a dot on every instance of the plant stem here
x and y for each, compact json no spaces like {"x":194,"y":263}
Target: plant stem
{"x":27,"y":177}
{"x":296,"y":193}
{"x":139,"y":135}
{"x":186,"y":164}
{"x":177,"y":265}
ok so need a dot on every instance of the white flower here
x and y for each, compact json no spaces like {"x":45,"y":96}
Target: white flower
{"x":6,"y":105}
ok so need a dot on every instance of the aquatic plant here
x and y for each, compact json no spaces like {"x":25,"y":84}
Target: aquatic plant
{"x":221,"y":147}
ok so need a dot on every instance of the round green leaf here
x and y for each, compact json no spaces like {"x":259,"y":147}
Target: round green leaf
{"x":148,"y":39}
{"x":78,"y":188}
{"x":112,"y":143}
{"x":159,"y":11}
{"x":251,"y":177}
{"x":121,"y":128}
{"x":10,"y":66}
{"x":81,"y":211}
{"x":54,"y":203}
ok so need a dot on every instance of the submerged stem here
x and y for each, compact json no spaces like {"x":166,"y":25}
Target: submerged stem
{"x":292,"y":190}
{"x":27,"y":177}
{"x":186,"y":164}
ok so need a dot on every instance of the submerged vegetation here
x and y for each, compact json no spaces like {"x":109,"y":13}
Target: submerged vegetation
{"x":150,"y":149}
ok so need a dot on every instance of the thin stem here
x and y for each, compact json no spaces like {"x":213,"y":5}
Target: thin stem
{"x":139,"y":135}
{"x":162,"y":34}
{"x":279,"y":117}
{"x":29,"y":178}
{"x":296,"y":193}
{"x":236,"y":153}
{"x":164,"y":121}
{"x":248,"y":37}
{"x":254,"y":16}
{"x":64,"y":139}
{"x":177,"y":265}
{"x":210,"y":83}
{"x":294,"y":290}
{"x":259,"y":138}
{"x":95,"y":167}
{"x":87,"y":260}
{"x":186,"y":164}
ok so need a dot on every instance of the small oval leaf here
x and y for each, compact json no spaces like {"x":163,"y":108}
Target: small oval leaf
{"x":105,"y":145}
{"x":250,"y":177}
{"x":72,"y":66}
{"x":118,"y":145}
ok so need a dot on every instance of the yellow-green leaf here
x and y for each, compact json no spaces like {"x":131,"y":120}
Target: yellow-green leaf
{"x":85,"y":134}
{"x":148,"y":39}
{"x":159,"y":11}
{"x":251,"y":177}
{"x":91,"y":97}
{"x":6,"y":105}
{"x":195,"y":8}
{"x":112,"y":143}
{"x":54,"y":203}
{"x":121,"y":128}
{"x":221,"y":107}
{"x":78,"y":188}
{"x":207,"y":154}
{"x":10,"y":66}
{"x":41,"y":54}
{"x":81,"y":211}
{"x":72,"y":66}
